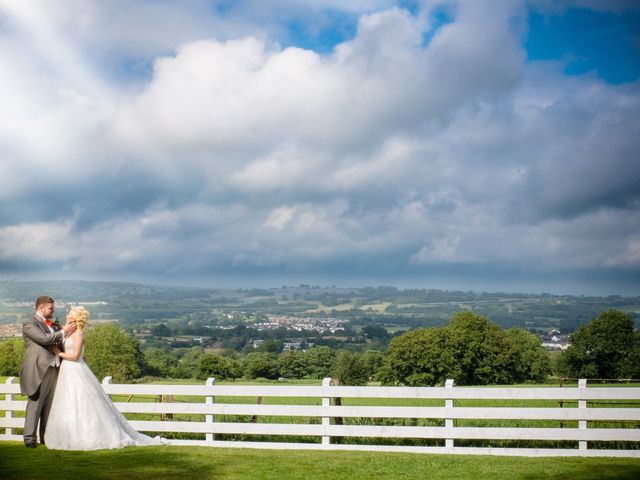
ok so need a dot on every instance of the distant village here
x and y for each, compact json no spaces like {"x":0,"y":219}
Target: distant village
{"x":554,"y":340}
{"x":301,"y":324}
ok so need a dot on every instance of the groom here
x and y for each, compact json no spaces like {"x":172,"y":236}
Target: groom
{"x":40,"y":364}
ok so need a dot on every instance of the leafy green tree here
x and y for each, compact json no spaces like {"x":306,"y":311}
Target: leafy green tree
{"x":321,"y":360}
{"x":470,"y":349}
{"x":161,"y":330}
{"x":480,"y":350}
{"x":630,"y":366}
{"x":217,"y":366}
{"x":350,"y":369}
{"x":419,"y":357}
{"x":293,"y":364}
{"x":110,"y":351}
{"x":262,"y":364}
{"x":11,"y":352}
{"x":160,"y":362}
{"x":604,"y":348}
{"x":533,"y":363}
{"x":373,"y":359}
{"x":376,"y":332}
{"x":273,"y":346}
{"x":187,"y":366}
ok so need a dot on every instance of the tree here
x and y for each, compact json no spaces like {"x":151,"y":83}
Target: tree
{"x":161,"y":330}
{"x":481,"y":351}
{"x":470,"y":349}
{"x":534,"y":363}
{"x":110,"y":351}
{"x":604,"y":348}
{"x":11,"y":352}
{"x":350,"y":369}
{"x":418,"y":358}
{"x":373,"y":359}
{"x":321,"y":360}
{"x":160,"y":361}
{"x":293,"y":364}
{"x":375,"y":332}
{"x":273,"y":346}
{"x":262,"y":364}
{"x":630,"y":366}
{"x":188,"y":364}
{"x":217,"y":366}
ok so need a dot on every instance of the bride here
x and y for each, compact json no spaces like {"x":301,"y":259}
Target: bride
{"x":82,"y":416}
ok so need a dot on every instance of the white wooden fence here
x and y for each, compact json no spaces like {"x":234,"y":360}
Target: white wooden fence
{"x":567,"y":415}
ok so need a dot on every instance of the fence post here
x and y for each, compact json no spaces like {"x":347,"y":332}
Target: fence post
{"x":210,"y":400}
{"x":166,"y":399}
{"x":107,"y":381}
{"x":582,"y":405}
{"x":9,"y":398}
{"x":326,"y":421}
{"x":448,"y":403}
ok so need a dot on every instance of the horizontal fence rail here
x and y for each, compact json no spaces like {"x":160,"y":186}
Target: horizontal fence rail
{"x":531,"y":421}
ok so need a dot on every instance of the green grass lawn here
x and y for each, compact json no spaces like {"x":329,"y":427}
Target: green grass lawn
{"x":158,"y":463}
{"x":168,"y":462}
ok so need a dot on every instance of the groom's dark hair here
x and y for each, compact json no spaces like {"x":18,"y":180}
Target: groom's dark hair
{"x":43,"y":300}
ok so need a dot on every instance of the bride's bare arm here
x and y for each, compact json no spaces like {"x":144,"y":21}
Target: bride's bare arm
{"x":78,"y":341}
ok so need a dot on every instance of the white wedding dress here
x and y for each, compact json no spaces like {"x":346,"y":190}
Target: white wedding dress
{"x":83,"y":417}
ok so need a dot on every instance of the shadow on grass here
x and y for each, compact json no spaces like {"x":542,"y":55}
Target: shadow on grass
{"x":589,"y":472}
{"x":149,"y":463}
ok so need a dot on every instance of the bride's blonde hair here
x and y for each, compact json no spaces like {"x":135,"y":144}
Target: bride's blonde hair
{"x":81,"y":315}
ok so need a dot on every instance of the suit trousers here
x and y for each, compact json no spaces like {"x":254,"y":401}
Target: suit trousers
{"x":39,"y":405}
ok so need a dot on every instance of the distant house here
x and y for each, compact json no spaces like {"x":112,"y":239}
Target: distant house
{"x":11,"y":330}
{"x":290,"y":346}
{"x":257,"y":343}
{"x":554,"y":340}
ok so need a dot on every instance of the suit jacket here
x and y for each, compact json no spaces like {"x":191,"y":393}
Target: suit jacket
{"x":38,"y":354}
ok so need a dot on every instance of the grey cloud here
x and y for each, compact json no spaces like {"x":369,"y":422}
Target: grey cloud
{"x":386,"y":156}
{"x":586,"y":151}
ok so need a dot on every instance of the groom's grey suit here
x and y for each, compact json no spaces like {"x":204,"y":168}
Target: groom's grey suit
{"x":38,"y":375}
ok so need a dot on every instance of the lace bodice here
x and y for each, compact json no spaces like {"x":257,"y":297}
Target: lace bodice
{"x":68,"y":346}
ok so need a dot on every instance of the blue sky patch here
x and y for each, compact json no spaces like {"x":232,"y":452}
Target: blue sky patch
{"x":585,"y":40}
{"x":439,"y":18}
{"x":334,"y":28}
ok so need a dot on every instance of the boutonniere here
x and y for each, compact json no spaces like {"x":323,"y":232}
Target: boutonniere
{"x":56,"y":324}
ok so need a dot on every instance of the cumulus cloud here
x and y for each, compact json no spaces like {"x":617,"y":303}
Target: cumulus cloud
{"x":236,"y":152}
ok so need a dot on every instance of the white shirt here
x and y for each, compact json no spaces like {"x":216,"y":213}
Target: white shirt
{"x":43,"y":320}
{"x":56,"y":362}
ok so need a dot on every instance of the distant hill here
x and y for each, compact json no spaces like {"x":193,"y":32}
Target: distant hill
{"x":131,"y":303}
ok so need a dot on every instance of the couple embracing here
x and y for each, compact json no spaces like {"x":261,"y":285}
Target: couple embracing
{"x":66,"y":402}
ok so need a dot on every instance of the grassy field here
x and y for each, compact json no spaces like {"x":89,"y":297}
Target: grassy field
{"x":172,"y":462}
{"x":159,"y":463}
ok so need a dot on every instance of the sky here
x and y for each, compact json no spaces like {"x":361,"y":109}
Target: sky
{"x":486,"y":145}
